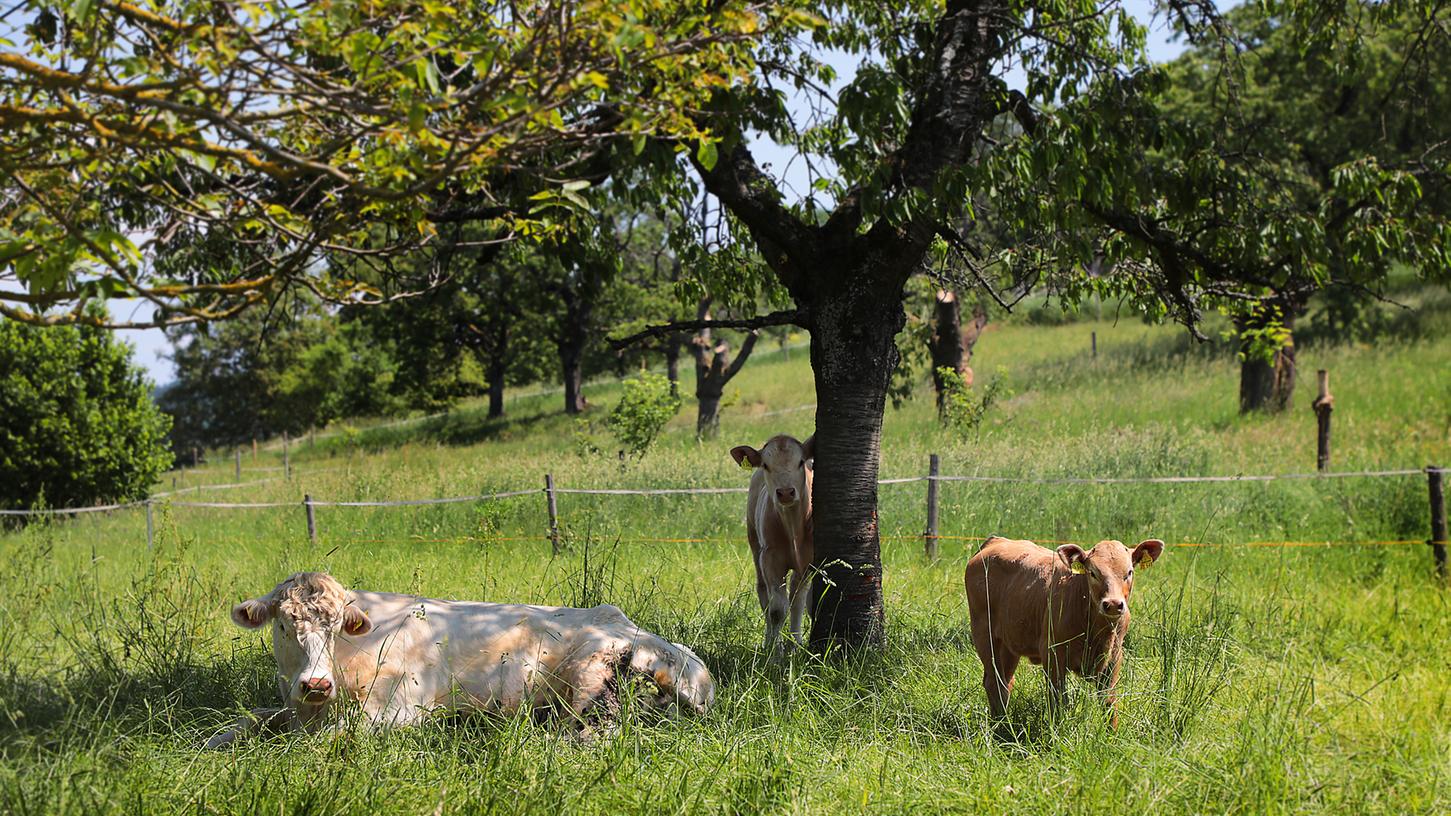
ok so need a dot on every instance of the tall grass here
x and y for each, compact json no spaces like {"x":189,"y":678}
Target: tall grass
{"x":1258,"y":679}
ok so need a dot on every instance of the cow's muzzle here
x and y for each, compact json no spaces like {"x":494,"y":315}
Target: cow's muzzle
{"x":1113,"y":608}
{"x":316,"y":690}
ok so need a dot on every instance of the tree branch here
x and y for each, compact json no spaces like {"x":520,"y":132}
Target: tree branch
{"x":735,"y":367}
{"x":789,"y":317}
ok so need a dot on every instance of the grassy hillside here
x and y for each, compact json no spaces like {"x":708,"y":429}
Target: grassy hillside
{"x":1259,"y":679}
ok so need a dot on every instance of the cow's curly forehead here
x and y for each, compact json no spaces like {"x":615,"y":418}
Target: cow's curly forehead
{"x":311,"y":596}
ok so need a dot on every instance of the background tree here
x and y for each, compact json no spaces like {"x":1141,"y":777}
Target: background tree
{"x":79,"y":427}
{"x":1295,"y":148}
{"x":902,"y":135}
{"x":267,"y":373}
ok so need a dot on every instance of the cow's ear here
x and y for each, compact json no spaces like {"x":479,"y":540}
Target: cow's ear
{"x":355,"y":621}
{"x":1073,"y":557}
{"x":808,"y":448}
{"x":1148,"y":552}
{"x":744,"y":454}
{"x":252,"y":614}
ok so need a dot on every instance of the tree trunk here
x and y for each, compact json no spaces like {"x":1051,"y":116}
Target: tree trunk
{"x":707,"y":419}
{"x":672,"y":364}
{"x":571,"y":362}
{"x":853,"y":355}
{"x":1267,"y":384}
{"x":573,"y":335}
{"x":946,"y":343}
{"x":497,"y":369}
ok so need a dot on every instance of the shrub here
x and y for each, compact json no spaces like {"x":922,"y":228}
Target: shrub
{"x":79,"y":426}
{"x":959,"y":410}
{"x":644,"y":408}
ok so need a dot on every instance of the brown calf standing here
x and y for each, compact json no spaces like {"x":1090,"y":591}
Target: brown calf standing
{"x":779,"y":529}
{"x":1064,"y":610}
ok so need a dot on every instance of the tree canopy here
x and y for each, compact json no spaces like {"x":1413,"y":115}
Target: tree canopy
{"x":205,"y":157}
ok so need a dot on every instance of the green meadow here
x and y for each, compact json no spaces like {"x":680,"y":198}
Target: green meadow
{"x":1288,"y":654}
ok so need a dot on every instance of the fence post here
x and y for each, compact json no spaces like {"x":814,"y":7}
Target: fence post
{"x":1094,"y":339}
{"x":1322,"y":406}
{"x":311,"y":519}
{"x":1438,"y":517}
{"x":150,"y":528}
{"x":929,"y":537}
{"x":254,"y":450}
{"x":286,"y":462}
{"x":553,"y":512}
{"x":239,"y":464}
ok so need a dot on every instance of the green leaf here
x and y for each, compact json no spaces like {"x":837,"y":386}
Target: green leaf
{"x":706,"y":155}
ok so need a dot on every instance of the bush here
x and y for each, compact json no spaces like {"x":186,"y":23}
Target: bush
{"x":959,"y":410}
{"x":79,"y":427}
{"x":647,"y":404}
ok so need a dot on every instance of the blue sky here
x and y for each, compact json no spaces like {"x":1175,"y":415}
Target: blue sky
{"x":151,"y":344}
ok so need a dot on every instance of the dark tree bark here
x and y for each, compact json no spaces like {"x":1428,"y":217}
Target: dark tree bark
{"x":713,"y":370}
{"x":951,"y":346}
{"x":852,"y":354}
{"x":1268,"y":384}
{"x":672,"y":363}
{"x":573,"y":337}
{"x":498,"y":367}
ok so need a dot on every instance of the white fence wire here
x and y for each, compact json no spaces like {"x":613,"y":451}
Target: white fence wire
{"x":677,"y":491}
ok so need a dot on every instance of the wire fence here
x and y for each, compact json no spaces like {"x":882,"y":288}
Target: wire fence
{"x":930,"y":536}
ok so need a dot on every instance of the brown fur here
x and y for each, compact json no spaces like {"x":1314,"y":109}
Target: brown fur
{"x":1026,"y":602}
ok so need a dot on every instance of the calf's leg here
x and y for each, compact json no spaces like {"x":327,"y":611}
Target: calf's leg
{"x":800,"y":592}
{"x":997,"y":679}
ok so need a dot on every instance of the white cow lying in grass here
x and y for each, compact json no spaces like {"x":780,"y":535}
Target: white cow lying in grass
{"x":401,"y":656}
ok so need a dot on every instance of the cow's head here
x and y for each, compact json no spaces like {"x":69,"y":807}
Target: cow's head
{"x":784,"y":461}
{"x":306,"y":612}
{"x":1109,"y":568}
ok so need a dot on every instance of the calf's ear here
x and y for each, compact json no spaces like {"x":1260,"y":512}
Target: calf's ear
{"x":1072,"y":557}
{"x":252,"y":614}
{"x":1148,"y":552}
{"x":744,"y":454}
{"x":356,"y":621}
{"x":808,"y":448}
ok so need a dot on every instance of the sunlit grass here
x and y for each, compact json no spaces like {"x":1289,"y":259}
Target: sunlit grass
{"x":1258,"y":679}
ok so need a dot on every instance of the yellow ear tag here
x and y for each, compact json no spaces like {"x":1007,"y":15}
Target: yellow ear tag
{"x":746,"y":464}
{"x":1078,"y":568}
{"x":1146,"y":561}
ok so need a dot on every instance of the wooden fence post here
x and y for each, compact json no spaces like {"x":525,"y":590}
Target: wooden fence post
{"x":254,"y":450}
{"x":1322,"y":406}
{"x":311,"y":519}
{"x":1094,"y":339}
{"x":286,"y":462}
{"x":929,"y":537}
{"x":150,"y":528}
{"x":239,"y":464}
{"x":553,"y":512}
{"x":1439,"y":535}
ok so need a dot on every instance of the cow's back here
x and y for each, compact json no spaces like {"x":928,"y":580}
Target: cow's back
{"x":501,"y":656}
{"x":1008,"y":584}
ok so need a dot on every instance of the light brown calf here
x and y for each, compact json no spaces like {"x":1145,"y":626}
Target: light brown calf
{"x":778,"y":526}
{"x":1066,"y":610}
